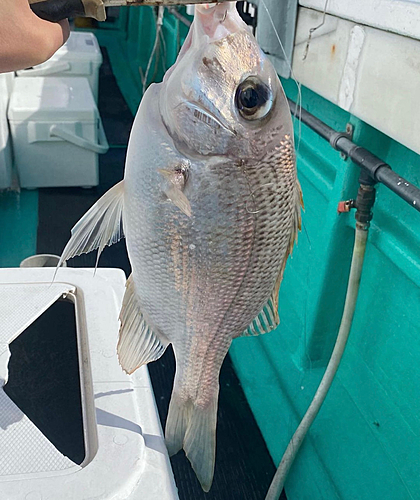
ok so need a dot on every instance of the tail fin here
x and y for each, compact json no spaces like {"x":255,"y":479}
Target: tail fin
{"x":193,"y":428}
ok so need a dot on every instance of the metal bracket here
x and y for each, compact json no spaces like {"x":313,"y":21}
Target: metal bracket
{"x":348,"y":134}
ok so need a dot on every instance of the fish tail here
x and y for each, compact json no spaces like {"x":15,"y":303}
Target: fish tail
{"x":193,"y":427}
{"x":179,"y":415}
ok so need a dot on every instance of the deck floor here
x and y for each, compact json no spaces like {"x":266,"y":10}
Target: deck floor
{"x":243,"y":465}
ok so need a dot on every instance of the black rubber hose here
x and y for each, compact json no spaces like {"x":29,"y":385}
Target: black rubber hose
{"x":378,"y":170}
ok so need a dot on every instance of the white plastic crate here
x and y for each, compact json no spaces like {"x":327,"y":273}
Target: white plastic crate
{"x":57,"y":132}
{"x":79,"y":56}
{"x":126,"y":457}
{"x":6,"y":84}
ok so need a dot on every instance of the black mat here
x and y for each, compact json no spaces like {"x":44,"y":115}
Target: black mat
{"x":51,"y":397}
{"x":243,"y":465}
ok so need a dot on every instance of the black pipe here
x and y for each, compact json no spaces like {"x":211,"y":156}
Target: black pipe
{"x":377,"y":169}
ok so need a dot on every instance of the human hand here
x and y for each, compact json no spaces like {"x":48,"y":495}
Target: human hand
{"x":25,"y":39}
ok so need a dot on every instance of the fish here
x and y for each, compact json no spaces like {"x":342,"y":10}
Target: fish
{"x":210,"y":206}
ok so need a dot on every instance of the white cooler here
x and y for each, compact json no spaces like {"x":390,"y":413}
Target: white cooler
{"x":57,"y":132}
{"x":125,"y":452}
{"x":9,"y":79}
{"x":6,"y":85}
{"x":79,"y":56}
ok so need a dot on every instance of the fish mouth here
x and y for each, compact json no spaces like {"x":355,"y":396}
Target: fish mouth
{"x":209,"y":118}
{"x":217,"y":20}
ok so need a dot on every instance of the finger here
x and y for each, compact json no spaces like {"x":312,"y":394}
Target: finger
{"x":25,"y":39}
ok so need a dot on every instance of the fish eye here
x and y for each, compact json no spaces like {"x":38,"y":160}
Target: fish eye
{"x":253,"y":99}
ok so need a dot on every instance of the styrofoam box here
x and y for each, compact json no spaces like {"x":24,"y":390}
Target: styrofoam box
{"x":6,"y":83}
{"x":9,"y":78}
{"x":56,"y":132}
{"x":126,"y":456}
{"x":79,"y":56}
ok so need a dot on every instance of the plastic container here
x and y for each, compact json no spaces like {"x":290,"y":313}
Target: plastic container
{"x":42,"y":260}
{"x":9,"y":79}
{"x":125,"y":453}
{"x":79,"y":56}
{"x":56,"y":131}
{"x":6,"y":82}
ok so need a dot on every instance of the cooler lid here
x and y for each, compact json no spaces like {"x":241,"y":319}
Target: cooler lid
{"x":79,"y":46}
{"x":6,"y":84}
{"x":52,"y":99}
{"x":4,"y":94}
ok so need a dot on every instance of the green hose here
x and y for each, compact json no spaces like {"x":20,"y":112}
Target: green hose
{"x":295,"y":443}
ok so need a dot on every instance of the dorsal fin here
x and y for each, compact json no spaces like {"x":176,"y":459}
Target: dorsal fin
{"x":100,"y":226}
{"x":268,"y":318}
{"x":137,"y":343}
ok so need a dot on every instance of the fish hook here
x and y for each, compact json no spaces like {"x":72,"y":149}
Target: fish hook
{"x":260,"y":188}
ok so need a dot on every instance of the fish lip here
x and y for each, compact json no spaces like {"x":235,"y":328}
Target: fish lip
{"x":214,"y":117}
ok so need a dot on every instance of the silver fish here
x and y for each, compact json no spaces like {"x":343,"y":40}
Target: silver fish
{"x":210,"y":205}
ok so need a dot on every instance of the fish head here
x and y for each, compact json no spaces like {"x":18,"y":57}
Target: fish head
{"x":223,"y":95}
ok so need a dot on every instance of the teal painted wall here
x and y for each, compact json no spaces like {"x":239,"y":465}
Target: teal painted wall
{"x":18,"y":226}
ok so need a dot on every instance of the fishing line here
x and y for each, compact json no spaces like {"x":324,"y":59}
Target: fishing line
{"x":164,"y":52}
{"x":312,"y":30}
{"x":289,"y":65}
{"x":159,"y":22}
{"x":297,"y":115}
{"x":260,"y":188}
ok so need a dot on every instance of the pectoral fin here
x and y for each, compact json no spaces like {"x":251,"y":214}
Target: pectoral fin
{"x":138,"y":344}
{"x":100,"y":226}
{"x":173,"y":186}
{"x":178,"y":198}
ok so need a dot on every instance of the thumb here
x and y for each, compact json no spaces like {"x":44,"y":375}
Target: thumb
{"x":56,"y":34}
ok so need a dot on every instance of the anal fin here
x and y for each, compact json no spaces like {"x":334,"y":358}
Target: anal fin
{"x":138,"y":344}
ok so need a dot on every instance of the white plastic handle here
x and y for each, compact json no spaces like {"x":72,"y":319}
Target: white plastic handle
{"x":45,"y":70}
{"x":101,"y":147}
